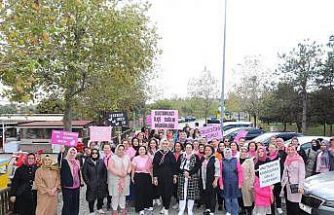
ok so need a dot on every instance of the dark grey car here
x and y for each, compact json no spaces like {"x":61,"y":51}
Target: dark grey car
{"x":318,"y":197}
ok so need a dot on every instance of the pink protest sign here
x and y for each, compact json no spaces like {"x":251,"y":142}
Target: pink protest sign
{"x":241,"y":134}
{"x":164,"y":119}
{"x":212,"y":131}
{"x":64,"y":138}
{"x":100,"y":133}
{"x":148,"y":120}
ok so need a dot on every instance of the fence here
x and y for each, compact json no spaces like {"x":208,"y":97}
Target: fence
{"x":4,"y":201}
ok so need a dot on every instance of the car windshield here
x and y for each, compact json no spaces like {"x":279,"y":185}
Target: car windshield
{"x":264,"y":137}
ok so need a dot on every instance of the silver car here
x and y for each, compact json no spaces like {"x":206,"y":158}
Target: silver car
{"x":318,"y":197}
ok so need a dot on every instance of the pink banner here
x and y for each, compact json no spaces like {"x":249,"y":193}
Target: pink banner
{"x":212,"y":131}
{"x":64,"y":138}
{"x":164,"y":119}
{"x":100,"y":133}
{"x":241,"y":134}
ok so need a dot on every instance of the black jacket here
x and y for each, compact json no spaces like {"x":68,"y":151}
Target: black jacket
{"x":22,"y":188}
{"x":66,"y":178}
{"x":95,"y":176}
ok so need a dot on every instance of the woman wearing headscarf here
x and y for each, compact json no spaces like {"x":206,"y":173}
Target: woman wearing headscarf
{"x":70,"y":177}
{"x":231,"y":181}
{"x":293,"y":180}
{"x":220,"y":156}
{"x":321,"y":164}
{"x":21,"y":191}
{"x":209,"y":175}
{"x":164,"y":172}
{"x":47,"y":182}
{"x":312,"y":157}
{"x":94,"y":174}
{"x":263,"y":195}
{"x":188,"y":189}
{"x":247,"y":190}
{"x":119,"y":179}
{"x":141,"y":177}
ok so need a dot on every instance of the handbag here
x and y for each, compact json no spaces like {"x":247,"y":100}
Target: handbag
{"x":293,"y":187}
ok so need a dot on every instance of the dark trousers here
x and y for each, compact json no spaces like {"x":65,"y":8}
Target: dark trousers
{"x":91,"y":205}
{"x":108,"y":199}
{"x":219,"y":197}
{"x":165,"y":186}
{"x":71,"y":200}
{"x":292,"y":208}
{"x":209,"y":199}
{"x":143,"y":191}
{"x":26,"y":203}
{"x":277,"y":191}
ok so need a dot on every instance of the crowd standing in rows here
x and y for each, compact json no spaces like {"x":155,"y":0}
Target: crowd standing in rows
{"x":153,"y":168}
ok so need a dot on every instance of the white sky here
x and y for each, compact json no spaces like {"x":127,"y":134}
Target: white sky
{"x":192,"y":35}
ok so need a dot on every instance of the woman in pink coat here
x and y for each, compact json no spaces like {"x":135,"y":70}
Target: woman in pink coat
{"x":263,"y":196}
{"x":293,"y":180}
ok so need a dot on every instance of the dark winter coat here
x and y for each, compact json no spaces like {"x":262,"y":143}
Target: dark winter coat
{"x":21,"y":188}
{"x":95,"y":177}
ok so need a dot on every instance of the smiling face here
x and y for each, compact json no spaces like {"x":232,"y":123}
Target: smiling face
{"x":261,"y":153}
{"x":189,"y":149}
{"x":252,"y":147}
{"x":272,"y":149}
{"x":291,"y":150}
{"x":177,"y":147}
{"x":208,"y":151}
{"x":142,"y":151}
{"x":120,"y":151}
{"x":95,"y":154}
{"x":31,"y":159}
{"x":221,"y":147}
{"x":234,"y":147}
{"x":107,"y":149}
{"x":47,"y":161}
{"x":164,"y":145}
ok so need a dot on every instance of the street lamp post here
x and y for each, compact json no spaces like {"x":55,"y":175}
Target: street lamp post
{"x":223,"y":71}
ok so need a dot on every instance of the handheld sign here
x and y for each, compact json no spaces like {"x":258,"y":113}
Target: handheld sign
{"x":64,"y":138}
{"x":117,"y":119}
{"x":164,"y":119}
{"x":270,"y":173}
{"x":211,"y":131}
{"x":100,"y":133}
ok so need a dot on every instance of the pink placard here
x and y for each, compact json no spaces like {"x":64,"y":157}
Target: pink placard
{"x":64,"y":138}
{"x":164,"y":119}
{"x":212,"y":131}
{"x":148,"y":120}
{"x":241,"y":134}
{"x":100,"y":133}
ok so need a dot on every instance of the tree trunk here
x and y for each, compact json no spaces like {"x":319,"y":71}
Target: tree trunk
{"x":324,"y":128}
{"x":68,"y":115}
{"x":299,"y":127}
{"x":331,"y":130}
{"x":255,"y":119}
{"x":284,"y":128}
{"x":304,"y":116}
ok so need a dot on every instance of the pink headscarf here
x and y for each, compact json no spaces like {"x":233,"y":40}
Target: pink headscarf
{"x":291,"y":158}
{"x":72,"y":162}
{"x":264,"y":156}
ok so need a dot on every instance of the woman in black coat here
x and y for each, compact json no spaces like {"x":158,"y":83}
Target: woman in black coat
{"x":94,"y":173}
{"x":164,"y":172}
{"x":22,"y":192}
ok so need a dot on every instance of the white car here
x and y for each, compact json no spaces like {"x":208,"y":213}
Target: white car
{"x":306,"y":141}
{"x":229,"y":125}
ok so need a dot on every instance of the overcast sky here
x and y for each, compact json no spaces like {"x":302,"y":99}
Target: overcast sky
{"x":192,"y":35}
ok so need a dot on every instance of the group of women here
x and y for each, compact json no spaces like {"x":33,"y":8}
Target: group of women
{"x":193,"y":171}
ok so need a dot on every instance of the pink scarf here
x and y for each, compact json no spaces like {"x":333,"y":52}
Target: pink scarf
{"x":273,"y":156}
{"x":252,"y":154}
{"x":292,"y":158}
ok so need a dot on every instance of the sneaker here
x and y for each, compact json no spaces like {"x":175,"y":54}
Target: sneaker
{"x":166,"y":212}
{"x":228,"y":213}
{"x":176,"y":206}
{"x":158,"y":202}
{"x":150,"y":209}
{"x":93,"y":213}
{"x":279,"y":210}
{"x":101,"y":211}
{"x":162,"y":211}
{"x":141,"y":212}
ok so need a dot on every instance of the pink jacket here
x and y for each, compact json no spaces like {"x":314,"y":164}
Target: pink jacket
{"x":240,"y":174}
{"x":263,"y":196}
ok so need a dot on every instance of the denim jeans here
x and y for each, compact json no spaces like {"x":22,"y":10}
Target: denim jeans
{"x":232,"y":206}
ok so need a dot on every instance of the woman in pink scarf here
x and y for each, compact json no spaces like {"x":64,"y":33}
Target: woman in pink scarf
{"x":70,"y":176}
{"x":119,"y":169}
{"x":293,"y":180}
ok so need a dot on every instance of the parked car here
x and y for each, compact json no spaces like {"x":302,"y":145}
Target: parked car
{"x":251,"y":132}
{"x":181,"y":120}
{"x":213,"y":120}
{"x":189,"y":119}
{"x":318,"y":197}
{"x":229,"y":125}
{"x":305,"y":142}
{"x":286,"y":135}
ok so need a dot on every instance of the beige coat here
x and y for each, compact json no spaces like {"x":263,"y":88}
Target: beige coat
{"x":116,"y":166}
{"x":45,"y":180}
{"x":248,"y":181}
